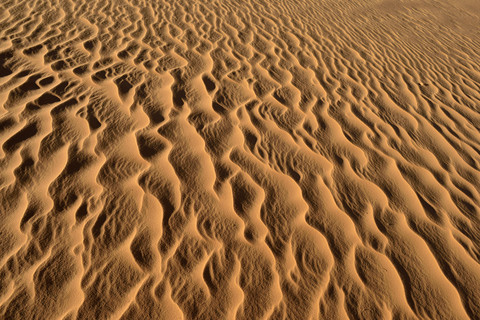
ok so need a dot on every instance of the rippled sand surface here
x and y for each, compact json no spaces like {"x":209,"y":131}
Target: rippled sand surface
{"x":255,"y":159}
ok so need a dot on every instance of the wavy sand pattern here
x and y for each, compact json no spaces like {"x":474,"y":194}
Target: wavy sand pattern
{"x":236,"y":159}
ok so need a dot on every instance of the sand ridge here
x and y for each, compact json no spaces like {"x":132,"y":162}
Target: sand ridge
{"x":239,"y":159}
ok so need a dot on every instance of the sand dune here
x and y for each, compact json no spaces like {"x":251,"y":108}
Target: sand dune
{"x":236,"y":159}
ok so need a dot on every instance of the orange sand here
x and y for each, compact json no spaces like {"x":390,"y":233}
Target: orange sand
{"x":256,"y":159}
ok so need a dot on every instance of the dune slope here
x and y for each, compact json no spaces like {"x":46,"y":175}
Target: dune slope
{"x":236,"y":159}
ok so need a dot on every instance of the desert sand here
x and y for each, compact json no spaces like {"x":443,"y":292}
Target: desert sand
{"x":244,"y":159}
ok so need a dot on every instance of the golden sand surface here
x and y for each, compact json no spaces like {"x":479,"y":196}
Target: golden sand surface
{"x":242,"y":159}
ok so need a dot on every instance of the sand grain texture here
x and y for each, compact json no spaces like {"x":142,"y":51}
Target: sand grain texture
{"x":239,"y":159}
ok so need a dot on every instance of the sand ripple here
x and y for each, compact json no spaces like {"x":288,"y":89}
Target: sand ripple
{"x":239,"y":159}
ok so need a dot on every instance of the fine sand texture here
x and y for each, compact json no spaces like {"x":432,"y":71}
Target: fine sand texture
{"x":239,"y":159}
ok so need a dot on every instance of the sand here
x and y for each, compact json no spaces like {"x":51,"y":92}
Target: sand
{"x":254,"y":159}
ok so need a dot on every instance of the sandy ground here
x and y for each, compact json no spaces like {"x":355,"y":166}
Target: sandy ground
{"x":255,"y":159}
